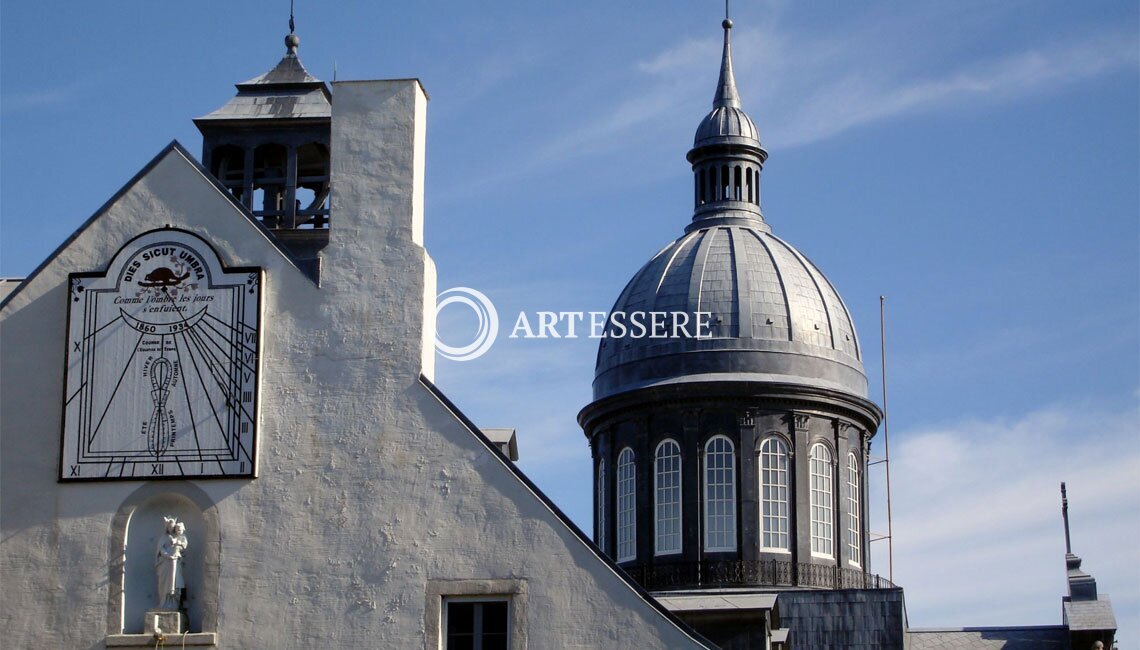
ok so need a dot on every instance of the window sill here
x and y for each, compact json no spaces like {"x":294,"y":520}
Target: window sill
{"x":148,"y":640}
{"x":781,"y":551}
{"x":823,"y":556}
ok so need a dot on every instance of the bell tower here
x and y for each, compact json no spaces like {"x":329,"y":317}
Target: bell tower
{"x":269,"y":146}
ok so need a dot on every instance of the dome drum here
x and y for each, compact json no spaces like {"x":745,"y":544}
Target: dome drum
{"x":739,"y":428}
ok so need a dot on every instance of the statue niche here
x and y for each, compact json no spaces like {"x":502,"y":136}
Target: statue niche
{"x":163,"y":567}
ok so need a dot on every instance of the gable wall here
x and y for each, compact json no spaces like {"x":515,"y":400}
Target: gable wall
{"x":369,"y":488}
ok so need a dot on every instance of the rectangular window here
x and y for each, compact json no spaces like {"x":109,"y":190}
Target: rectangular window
{"x":476,"y":624}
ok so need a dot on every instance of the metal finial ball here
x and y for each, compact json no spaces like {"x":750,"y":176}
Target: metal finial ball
{"x":292,"y":41}
{"x":727,"y":24}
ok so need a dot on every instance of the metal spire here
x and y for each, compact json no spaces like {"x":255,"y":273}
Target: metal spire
{"x":1065,"y":516}
{"x":726,"y":94}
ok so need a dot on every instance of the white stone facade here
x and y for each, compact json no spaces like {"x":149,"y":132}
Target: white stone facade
{"x":373,"y":499}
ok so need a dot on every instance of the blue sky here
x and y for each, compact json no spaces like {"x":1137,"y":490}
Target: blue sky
{"x":975,"y":162}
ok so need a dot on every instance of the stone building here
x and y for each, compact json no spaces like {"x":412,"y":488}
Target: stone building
{"x":245,"y":346}
{"x":220,"y":345}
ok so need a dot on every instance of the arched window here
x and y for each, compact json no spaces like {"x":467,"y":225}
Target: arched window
{"x":736,"y":183}
{"x":748,"y":182}
{"x":821,"y":511}
{"x":626,"y":511}
{"x":713,"y":184}
{"x":774,"y":495}
{"x":854,"y":546}
{"x":667,"y":498}
{"x":725,"y":189}
{"x":600,"y":533}
{"x":720,"y":495}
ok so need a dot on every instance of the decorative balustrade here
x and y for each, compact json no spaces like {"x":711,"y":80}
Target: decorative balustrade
{"x":752,"y":573}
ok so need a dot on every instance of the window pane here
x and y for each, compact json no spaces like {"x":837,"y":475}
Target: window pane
{"x":460,"y":626}
{"x":495,"y":617}
{"x":494,"y":625}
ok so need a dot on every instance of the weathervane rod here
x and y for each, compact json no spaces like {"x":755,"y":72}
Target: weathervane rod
{"x":293,"y":27}
{"x":886,"y":436}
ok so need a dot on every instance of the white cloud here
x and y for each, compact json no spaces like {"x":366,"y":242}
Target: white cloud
{"x":978,"y":533}
{"x":806,"y":87}
{"x":859,"y":93}
{"x":41,"y":98}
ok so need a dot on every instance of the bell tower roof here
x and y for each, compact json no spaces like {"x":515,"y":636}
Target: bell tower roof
{"x":288,"y":72}
{"x":269,"y":145}
{"x":287,"y":91}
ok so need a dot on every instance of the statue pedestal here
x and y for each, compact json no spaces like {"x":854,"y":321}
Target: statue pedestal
{"x":167,"y":621}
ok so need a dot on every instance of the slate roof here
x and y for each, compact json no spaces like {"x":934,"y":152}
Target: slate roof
{"x":980,"y":638}
{"x":760,"y":295}
{"x":853,"y":619}
{"x":287,"y":91}
{"x":288,"y":70}
{"x":716,"y":602}
{"x":1090,"y":614}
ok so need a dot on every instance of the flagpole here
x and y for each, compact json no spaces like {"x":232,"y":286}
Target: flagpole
{"x":886,"y":438}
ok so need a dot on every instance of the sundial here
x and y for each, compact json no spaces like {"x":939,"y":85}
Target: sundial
{"x":162,"y":364}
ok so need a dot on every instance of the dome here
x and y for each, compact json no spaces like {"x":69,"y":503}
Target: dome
{"x":773,"y":318}
{"x":726,"y":125}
